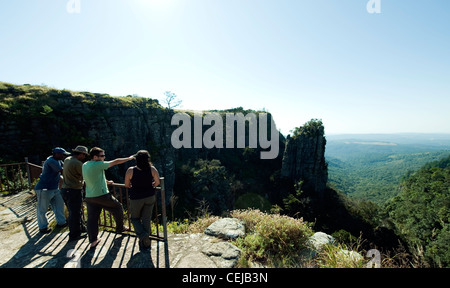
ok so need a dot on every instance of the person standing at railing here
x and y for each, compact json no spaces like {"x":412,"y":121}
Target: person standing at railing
{"x":97,"y":193}
{"x":47,"y":191}
{"x":72,"y":188}
{"x":142,"y":180}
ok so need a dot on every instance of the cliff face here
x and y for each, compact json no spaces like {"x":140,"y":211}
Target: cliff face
{"x":124,"y":131}
{"x":34,"y":119}
{"x":304,"y":158}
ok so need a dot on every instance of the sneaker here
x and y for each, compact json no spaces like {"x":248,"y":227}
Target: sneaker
{"x":144,"y":244}
{"x":61,"y":226}
{"x":76,"y":238}
{"x":45,"y":230}
{"x":124,"y":229}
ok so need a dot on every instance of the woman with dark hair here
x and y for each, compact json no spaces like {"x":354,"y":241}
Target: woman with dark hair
{"x":141,"y":181}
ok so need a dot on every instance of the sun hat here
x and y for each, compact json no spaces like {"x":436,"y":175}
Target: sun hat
{"x":81,"y":149}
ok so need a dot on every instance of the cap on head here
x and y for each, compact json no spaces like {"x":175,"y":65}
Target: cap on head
{"x":60,"y":151}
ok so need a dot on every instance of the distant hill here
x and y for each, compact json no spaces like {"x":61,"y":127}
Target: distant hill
{"x":371,"y":166}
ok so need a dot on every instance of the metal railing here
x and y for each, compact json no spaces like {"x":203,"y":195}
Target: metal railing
{"x":17,"y":177}
{"x":21,"y":176}
{"x":120,"y":192}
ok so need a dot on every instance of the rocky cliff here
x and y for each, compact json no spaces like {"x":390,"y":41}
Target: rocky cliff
{"x":34,"y":119}
{"x":304,"y":158}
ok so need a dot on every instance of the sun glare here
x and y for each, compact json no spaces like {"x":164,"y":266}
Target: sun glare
{"x":153,"y":3}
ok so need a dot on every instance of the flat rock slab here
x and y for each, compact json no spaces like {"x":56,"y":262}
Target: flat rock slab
{"x":202,"y":251}
{"x":226,"y":228}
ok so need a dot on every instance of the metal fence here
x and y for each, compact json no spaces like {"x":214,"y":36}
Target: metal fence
{"x":120,"y":192}
{"x":18,"y":177}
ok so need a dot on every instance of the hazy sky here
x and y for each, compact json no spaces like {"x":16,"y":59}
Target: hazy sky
{"x":298,"y":59}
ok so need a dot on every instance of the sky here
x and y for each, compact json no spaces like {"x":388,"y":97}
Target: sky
{"x":359,"y":72}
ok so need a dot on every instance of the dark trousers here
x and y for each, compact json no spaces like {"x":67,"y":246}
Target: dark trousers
{"x":73,"y":199}
{"x":94,"y":208}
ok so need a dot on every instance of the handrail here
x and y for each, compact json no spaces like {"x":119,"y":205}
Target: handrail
{"x":12,"y":177}
{"x":116,"y":189}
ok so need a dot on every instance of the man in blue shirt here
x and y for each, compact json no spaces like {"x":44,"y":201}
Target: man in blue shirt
{"x":47,"y":191}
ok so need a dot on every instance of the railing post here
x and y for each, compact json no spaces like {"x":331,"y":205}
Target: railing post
{"x":28,"y":172}
{"x":164,"y":220}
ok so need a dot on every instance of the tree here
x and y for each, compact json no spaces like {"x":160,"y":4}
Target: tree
{"x":171,"y":100}
{"x":421,"y":213}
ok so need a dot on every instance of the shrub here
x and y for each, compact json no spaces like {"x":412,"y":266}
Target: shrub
{"x":201,"y":224}
{"x":339,"y":256}
{"x":272,"y":238}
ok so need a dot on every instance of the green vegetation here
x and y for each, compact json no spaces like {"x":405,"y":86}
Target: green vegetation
{"x":272,"y":239}
{"x":340,"y":256}
{"x":206,"y":181}
{"x":43,"y":100}
{"x":421,"y":213}
{"x":252,"y":200}
{"x":32,"y":111}
{"x":372,"y":171}
{"x":311,"y":128}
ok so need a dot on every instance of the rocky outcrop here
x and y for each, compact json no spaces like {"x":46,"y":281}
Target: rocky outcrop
{"x":226,"y":228}
{"x":202,"y":251}
{"x":304,"y":158}
{"x":315,"y":244}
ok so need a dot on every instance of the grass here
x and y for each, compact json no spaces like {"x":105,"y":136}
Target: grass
{"x":340,"y":256}
{"x":271,"y":239}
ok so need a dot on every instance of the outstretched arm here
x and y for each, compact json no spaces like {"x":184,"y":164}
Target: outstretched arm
{"x":119,"y":161}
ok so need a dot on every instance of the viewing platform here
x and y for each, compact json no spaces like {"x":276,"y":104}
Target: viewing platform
{"x":22,"y":245}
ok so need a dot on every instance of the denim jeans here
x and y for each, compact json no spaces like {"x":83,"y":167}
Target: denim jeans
{"x":141,"y":215}
{"x":73,"y":199}
{"x":46,"y":198}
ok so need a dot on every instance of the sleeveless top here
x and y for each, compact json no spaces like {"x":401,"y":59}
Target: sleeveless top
{"x":141,"y":184}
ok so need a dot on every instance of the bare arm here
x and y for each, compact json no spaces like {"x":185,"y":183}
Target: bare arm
{"x":155,"y":175}
{"x":119,"y":161}
{"x":128,"y":177}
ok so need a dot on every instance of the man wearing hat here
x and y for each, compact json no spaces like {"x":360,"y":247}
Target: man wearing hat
{"x":72,"y":190}
{"x":47,"y":191}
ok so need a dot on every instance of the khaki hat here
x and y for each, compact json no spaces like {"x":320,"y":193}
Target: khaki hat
{"x":81,"y":149}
